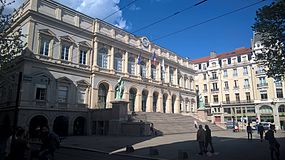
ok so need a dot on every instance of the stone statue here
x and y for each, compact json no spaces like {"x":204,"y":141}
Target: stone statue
{"x":119,"y":89}
{"x":201,"y":102}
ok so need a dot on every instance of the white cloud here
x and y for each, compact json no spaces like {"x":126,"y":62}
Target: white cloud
{"x":94,"y":8}
{"x":99,"y":9}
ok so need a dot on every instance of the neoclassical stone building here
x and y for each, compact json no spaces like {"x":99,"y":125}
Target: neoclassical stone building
{"x":71,"y":66}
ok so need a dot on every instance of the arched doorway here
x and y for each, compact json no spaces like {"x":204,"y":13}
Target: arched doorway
{"x":60,"y":126}
{"x":173,"y":98}
{"x":79,"y":126}
{"x":266,"y":114}
{"x":35,"y":123}
{"x":186,"y":105}
{"x":144,"y":100}
{"x":154,"y":102}
{"x":164,"y":102}
{"x":102,"y":95}
{"x":132,"y":99}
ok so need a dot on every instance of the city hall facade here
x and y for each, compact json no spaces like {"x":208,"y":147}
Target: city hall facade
{"x":71,"y":66}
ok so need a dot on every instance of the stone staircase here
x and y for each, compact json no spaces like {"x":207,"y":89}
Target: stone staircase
{"x":168,"y":123}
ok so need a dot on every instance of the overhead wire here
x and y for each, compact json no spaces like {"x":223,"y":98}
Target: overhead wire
{"x":206,"y":21}
{"x":169,"y":16}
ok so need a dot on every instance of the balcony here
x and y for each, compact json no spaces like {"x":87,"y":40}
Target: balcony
{"x":260,"y":85}
{"x":238,"y":102}
{"x":260,"y":72}
{"x":215,"y":90}
{"x":278,"y":85}
{"x":226,"y":88}
{"x":246,"y":87}
{"x":245,"y":73}
{"x":236,"y":87}
{"x":205,"y":90}
{"x":213,"y":78}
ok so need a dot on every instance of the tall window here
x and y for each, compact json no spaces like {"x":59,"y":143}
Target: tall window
{"x":62,"y":94}
{"x":65,"y":52}
{"x":245,"y":71}
{"x":235,"y":72}
{"x":215,"y":86}
{"x":216,"y":98}
{"x":118,"y":62}
{"x":263,"y":96}
{"x":262,"y":81}
{"x":41,"y":93}
{"x":235,"y":84}
{"x":227,"y":98}
{"x":206,"y":99}
{"x":226,"y":84}
{"x":102,"y":58}
{"x":214,"y":75}
{"x":102,"y":96}
{"x":143,"y":70}
{"x":247,"y":94}
{"x":153,"y":72}
{"x":131,"y":66}
{"x":82,"y":57}
{"x":237,"y":97}
{"x":225,"y":73}
{"x":171,"y":75}
{"x":279,"y":93}
{"x":204,"y":76}
{"x":246,"y":83}
{"x":205,"y":87}
{"x":81,"y":96}
{"x":44,"y":48}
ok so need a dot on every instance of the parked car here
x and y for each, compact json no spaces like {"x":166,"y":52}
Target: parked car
{"x":266,"y":125}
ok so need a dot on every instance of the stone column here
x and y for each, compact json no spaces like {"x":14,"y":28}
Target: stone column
{"x":149,"y":107}
{"x":138,"y":68}
{"x":95,"y":54}
{"x":158,"y":74}
{"x":168,"y":104}
{"x":111,"y":59}
{"x":110,"y":97}
{"x":148,"y":69}
{"x":175,"y":76}
{"x":177,"y":105}
{"x":138,"y":102}
{"x":167,"y":76}
{"x":276,"y":116}
{"x":159,"y":103}
{"x":126,"y":62}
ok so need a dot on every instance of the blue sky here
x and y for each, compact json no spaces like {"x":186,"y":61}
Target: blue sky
{"x":221,"y":35}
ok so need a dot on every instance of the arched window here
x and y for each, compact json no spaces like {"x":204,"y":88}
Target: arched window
{"x":102,"y":96}
{"x":144,"y":100}
{"x":131,"y":66}
{"x":143,"y":69}
{"x":102,"y":58}
{"x":266,"y":110}
{"x":164,"y":102}
{"x":154,"y":102}
{"x":132,"y":99}
{"x":118,"y":62}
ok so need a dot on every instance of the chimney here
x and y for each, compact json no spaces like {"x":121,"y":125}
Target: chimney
{"x":213,"y":54}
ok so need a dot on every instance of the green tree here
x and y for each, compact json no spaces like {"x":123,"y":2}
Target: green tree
{"x":11,"y":43}
{"x":270,"y":25}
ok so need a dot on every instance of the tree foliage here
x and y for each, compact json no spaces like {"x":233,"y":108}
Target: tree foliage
{"x":270,"y":25}
{"x":11,"y":43}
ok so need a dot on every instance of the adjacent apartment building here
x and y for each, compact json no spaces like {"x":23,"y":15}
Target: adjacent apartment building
{"x":71,"y":66}
{"x":236,"y":88}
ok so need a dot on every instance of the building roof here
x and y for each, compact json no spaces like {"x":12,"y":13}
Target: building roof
{"x":236,"y":52}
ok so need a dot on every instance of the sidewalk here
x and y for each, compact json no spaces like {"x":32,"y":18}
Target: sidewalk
{"x":226,"y":143}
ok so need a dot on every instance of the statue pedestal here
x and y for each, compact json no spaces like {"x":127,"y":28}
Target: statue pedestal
{"x":202,"y":115}
{"x":119,"y":115}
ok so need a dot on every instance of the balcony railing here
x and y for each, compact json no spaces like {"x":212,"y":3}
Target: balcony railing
{"x":226,"y":88}
{"x":213,"y":78}
{"x":238,"y":102}
{"x":262,"y":85}
{"x":215,"y":90}
{"x":246,"y":87}
{"x":278,"y":84}
{"x":236,"y":87}
{"x":205,"y":90}
{"x":260,"y":72}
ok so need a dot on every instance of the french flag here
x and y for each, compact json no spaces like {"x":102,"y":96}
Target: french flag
{"x":154,"y":59}
{"x":139,"y":59}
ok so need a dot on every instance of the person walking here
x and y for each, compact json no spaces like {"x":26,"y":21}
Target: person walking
{"x":201,"y":139}
{"x":19,"y":147}
{"x":273,"y":144}
{"x":50,"y":142}
{"x":249,"y":132}
{"x":261,"y":131}
{"x":208,"y":139}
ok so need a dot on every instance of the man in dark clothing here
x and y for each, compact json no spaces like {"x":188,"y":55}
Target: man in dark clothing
{"x":201,"y":139}
{"x":50,"y":142}
{"x":261,"y":131}
{"x":19,"y":146}
{"x":208,"y":139}
{"x":273,"y":144}
{"x":249,"y":132}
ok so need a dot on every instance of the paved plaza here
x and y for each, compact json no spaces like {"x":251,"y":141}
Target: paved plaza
{"x":228,"y":146}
